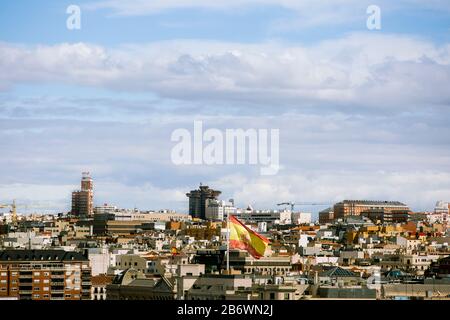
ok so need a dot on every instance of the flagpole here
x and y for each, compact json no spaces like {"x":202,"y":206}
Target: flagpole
{"x":228,"y":243}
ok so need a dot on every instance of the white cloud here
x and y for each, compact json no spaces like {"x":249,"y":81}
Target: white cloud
{"x":144,"y":196}
{"x":363,"y":69}
{"x":418,"y":189}
{"x":36,"y":197}
{"x":56,"y":198}
{"x":385,"y":105}
{"x":325,"y":157}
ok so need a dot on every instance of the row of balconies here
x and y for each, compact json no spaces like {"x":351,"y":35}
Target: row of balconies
{"x":30,"y":275}
{"x":25,"y":292}
{"x":57,"y":291}
{"x":40,"y":267}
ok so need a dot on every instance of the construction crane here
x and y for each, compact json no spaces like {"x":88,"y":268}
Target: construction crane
{"x":14,"y":207}
{"x":13,"y":210}
{"x":293,"y":204}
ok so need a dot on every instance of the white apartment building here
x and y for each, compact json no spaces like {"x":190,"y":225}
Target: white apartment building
{"x":150,"y":216}
{"x":269,"y":216}
{"x":137,"y":215}
{"x":105,"y":209}
{"x":218,"y":210}
{"x":301,"y":217}
{"x":409,"y":244}
{"x":417,"y":263}
{"x":440,"y":214}
{"x":135,"y":261}
{"x":100,"y":259}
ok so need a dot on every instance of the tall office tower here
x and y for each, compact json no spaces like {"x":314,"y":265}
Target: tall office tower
{"x":83,"y":200}
{"x":198,"y":199}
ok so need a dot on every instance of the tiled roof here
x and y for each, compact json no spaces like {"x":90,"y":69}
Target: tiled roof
{"x":338,"y":272}
{"x":41,"y":255}
{"x":374,"y":203}
{"x":101,"y":280}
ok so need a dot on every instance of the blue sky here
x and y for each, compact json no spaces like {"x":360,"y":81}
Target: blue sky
{"x":39,"y":22}
{"x":362,"y":114}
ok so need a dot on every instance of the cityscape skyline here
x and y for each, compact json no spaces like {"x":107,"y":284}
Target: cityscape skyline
{"x":222,"y":156}
{"x":362,"y":114}
{"x":83,"y":202}
{"x":359,"y":249}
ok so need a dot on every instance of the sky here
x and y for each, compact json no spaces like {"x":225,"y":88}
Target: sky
{"x":362,"y":114}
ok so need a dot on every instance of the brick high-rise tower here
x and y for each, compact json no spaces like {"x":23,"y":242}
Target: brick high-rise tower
{"x":83,"y":200}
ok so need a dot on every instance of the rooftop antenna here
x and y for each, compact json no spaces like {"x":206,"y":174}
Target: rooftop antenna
{"x":29,"y":240}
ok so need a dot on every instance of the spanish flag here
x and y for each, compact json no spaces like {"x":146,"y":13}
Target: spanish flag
{"x":241,"y":237}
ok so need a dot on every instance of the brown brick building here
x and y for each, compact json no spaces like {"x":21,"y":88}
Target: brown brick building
{"x":326,"y":216}
{"x":83,"y":200}
{"x":44,"y":275}
{"x":384,"y":210}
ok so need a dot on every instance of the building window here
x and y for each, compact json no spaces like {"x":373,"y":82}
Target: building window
{"x":272,"y":296}
{"x":36,"y":296}
{"x":286,"y":296}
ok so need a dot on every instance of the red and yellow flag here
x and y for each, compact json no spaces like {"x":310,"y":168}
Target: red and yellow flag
{"x":241,"y":237}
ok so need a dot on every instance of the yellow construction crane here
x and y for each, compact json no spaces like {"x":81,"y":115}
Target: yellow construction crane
{"x":14,"y":206}
{"x":13,"y":210}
